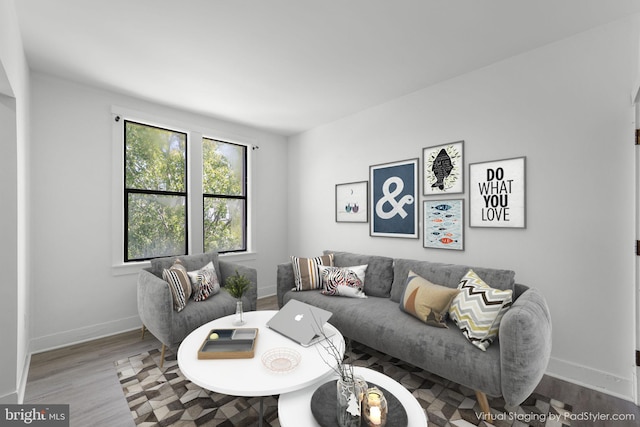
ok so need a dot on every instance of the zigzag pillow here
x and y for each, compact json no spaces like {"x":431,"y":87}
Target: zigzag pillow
{"x":306,"y":272}
{"x":478,"y":310}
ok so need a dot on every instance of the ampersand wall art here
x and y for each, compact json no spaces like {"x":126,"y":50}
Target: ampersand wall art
{"x":394,"y":199}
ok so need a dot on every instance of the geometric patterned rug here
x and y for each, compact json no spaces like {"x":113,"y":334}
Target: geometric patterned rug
{"x":163,"y":397}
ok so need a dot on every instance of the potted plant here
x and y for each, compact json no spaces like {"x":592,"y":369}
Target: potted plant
{"x":237,"y":285}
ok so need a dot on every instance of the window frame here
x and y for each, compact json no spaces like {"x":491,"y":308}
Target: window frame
{"x":195,"y":214}
{"x":244,"y":197}
{"x":127,"y":191}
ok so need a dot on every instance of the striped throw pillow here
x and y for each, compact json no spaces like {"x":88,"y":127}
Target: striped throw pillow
{"x":179,"y":283}
{"x":306,"y":272}
{"x":478,"y":310}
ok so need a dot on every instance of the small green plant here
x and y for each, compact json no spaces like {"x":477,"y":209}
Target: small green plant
{"x":237,"y":285}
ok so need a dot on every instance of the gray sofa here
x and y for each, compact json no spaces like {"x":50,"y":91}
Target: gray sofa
{"x":155,"y":303}
{"x":511,"y":367}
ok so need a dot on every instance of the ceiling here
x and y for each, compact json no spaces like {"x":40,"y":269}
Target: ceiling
{"x":287,"y":66}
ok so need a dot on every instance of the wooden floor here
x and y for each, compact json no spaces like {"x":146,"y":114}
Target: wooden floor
{"x":83,"y":376}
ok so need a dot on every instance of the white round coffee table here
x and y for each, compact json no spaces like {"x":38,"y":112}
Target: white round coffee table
{"x":294,"y":409}
{"x":249,"y":377}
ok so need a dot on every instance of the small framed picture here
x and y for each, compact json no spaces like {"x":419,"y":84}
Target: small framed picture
{"x":443,"y":222}
{"x":497,"y":194}
{"x":351,"y":202}
{"x":394,"y":199}
{"x":443,"y":169}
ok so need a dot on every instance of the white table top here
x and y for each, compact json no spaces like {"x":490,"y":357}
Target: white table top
{"x":294,"y":409}
{"x":249,"y":377}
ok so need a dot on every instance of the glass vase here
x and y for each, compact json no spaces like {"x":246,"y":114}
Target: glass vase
{"x":350,"y":392}
{"x":239,"y":319}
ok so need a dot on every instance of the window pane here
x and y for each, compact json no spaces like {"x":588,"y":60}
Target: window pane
{"x":224,"y":224}
{"x":156,"y":226}
{"x":223,"y":167}
{"x":155,"y":158}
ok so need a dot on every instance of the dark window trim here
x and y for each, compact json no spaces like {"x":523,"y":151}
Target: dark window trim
{"x":245,"y":191}
{"x":128,"y":191}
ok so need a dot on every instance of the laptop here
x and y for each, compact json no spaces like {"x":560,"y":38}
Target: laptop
{"x":302,"y":323}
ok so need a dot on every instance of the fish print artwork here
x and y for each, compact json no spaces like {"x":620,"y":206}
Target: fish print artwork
{"x":443,"y":224}
{"x":443,"y":166}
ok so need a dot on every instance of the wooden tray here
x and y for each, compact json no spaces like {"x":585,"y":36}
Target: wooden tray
{"x":237,"y":343}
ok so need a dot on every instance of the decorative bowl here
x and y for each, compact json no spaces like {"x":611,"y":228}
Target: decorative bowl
{"x":281,"y":360}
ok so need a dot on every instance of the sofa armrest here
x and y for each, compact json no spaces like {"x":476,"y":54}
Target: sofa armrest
{"x":285,"y":281}
{"x":525,"y":346}
{"x":155,"y":305}
{"x":250,"y":298}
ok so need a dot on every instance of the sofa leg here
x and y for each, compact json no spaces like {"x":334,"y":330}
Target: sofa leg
{"x":143,"y":329}
{"x":164,"y":347}
{"x":484,"y":402}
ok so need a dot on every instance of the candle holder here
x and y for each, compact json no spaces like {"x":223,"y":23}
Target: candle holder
{"x":374,"y":408}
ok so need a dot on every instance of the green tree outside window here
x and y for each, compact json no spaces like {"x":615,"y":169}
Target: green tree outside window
{"x":224,"y":187}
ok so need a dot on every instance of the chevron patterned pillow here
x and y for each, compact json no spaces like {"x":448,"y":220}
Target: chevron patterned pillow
{"x":478,"y":309}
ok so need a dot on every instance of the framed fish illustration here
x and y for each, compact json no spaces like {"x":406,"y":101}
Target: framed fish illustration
{"x":443,"y":224}
{"x":443,"y":169}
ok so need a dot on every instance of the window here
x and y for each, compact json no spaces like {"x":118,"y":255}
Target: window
{"x":224,"y":195}
{"x":178,"y":189}
{"x":155,"y":193}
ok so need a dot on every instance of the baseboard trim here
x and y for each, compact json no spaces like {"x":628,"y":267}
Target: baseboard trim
{"x":81,"y":335}
{"x":22,"y":387}
{"x":9,"y":399}
{"x":267,"y":291}
{"x":591,"y":378}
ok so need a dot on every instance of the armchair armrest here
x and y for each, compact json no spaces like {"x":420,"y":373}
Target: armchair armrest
{"x":525,"y":345}
{"x":285,"y":281}
{"x":155,"y":305}
{"x":250,"y":298}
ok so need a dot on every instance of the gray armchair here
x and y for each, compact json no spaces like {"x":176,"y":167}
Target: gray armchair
{"x":155,"y":303}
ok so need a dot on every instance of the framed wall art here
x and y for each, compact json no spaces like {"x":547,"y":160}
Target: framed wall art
{"x":443,"y":169}
{"x":443,"y":222}
{"x":351,"y":202}
{"x":497,"y":193}
{"x":394,"y":199}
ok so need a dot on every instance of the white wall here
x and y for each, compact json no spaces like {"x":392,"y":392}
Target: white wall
{"x":567,"y":108}
{"x":14,"y":208}
{"x":76,"y":295}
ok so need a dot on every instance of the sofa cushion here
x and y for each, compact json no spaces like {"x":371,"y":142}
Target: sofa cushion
{"x":379,"y":271}
{"x":190,"y":262}
{"x":343,"y":281}
{"x":204,"y":282}
{"x":306,"y":272}
{"x":179,"y":284}
{"x":478,"y":309}
{"x":379,"y":323}
{"x":427,"y":301}
{"x":445,"y":275}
